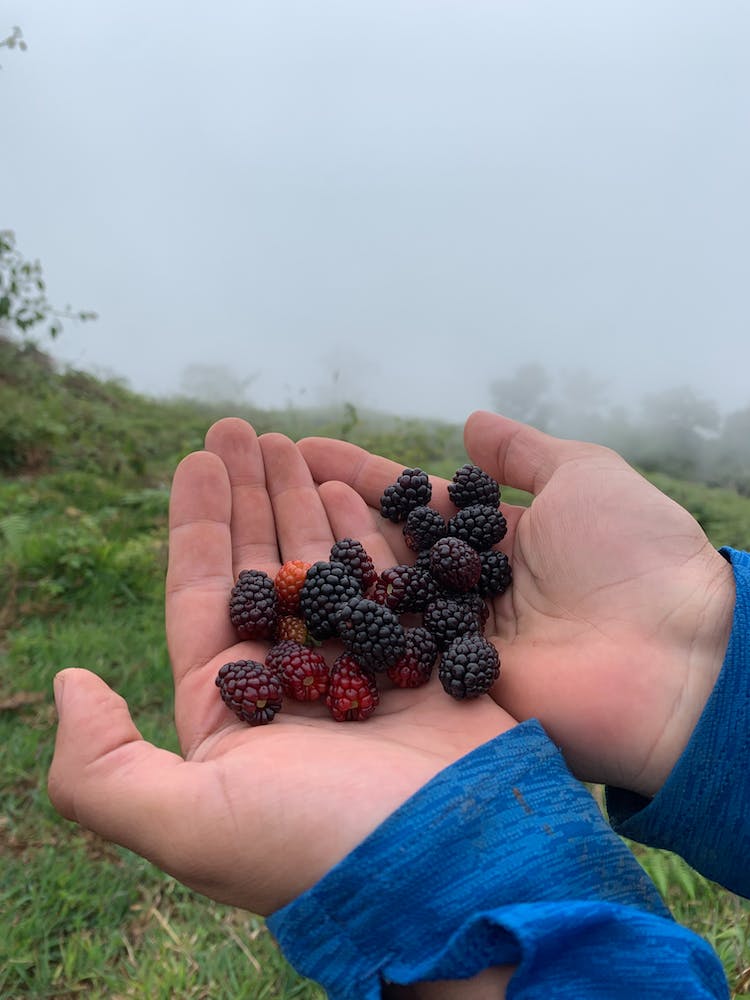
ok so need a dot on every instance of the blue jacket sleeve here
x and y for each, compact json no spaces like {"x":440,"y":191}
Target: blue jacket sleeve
{"x":503,"y":858}
{"x":702,"y":812}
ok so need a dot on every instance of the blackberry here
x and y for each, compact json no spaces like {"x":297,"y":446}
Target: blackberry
{"x":411,"y":489}
{"x":292,"y":627}
{"x":480,"y":526}
{"x":303,"y":672}
{"x":414,"y":667}
{"x":288,"y":582}
{"x":353,"y":555}
{"x":455,"y":564}
{"x":390,"y":587}
{"x":496,"y":575}
{"x":327,"y":586}
{"x":352,"y":691}
{"x":371,"y":633}
{"x":448,"y":618}
{"x":424,"y":526}
{"x":251,"y":690}
{"x":472,"y":485}
{"x":469,"y":667}
{"x":253,"y":605}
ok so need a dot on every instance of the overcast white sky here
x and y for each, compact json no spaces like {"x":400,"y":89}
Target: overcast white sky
{"x":419,"y":194}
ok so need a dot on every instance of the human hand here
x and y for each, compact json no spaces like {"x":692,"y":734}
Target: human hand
{"x":615,"y":627}
{"x":249,"y":816}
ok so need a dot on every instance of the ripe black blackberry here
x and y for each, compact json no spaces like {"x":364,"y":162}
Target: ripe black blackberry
{"x":371,"y":633}
{"x":480,"y":526}
{"x":448,"y":618}
{"x":496,"y":575}
{"x":354,"y":556}
{"x":424,"y":526}
{"x":469,"y":666}
{"x":455,"y":564}
{"x":327,"y":586}
{"x":411,"y":489}
{"x":251,"y":690}
{"x":253,"y":605}
{"x":472,"y":485}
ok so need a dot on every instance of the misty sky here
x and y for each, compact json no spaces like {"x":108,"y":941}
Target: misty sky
{"x":418,"y":195}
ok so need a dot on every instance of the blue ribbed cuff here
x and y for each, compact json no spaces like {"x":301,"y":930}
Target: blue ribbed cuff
{"x":503,"y":858}
{"x":701,"y":812}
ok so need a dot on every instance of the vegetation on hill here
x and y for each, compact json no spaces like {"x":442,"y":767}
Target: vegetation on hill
{"x":86,"y":467}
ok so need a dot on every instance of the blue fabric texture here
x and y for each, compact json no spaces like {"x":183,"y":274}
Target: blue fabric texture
{"x":702,"y":812}
{"x":503,"y":858}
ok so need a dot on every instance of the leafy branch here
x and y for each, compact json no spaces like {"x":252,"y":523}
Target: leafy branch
{"x":23,"y":294}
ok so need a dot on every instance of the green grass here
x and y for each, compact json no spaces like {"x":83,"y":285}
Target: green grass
{"x":82,"y":556}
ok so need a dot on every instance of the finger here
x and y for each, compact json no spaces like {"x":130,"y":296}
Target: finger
{"x":199,"y":575}
{"x":514,"y":453}
{"x":105,"y":777}
{"x":302,"y":527}
{"x":254,"y":544}
{"x":367,"y":474}
{"x":350,"y":517}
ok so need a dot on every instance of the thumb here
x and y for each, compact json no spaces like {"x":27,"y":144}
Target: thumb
{"x":514,"y":453}
{"x":105,"y":777}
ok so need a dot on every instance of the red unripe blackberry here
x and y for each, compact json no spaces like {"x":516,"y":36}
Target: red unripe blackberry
{"x":251,"y":690}
{"x":448,"y":618}
{"x":288,"y":582}
{"x":471,"y":485}
{"x":496,"y":575}
{"x":469,"y":667}
{"x":352,"y":691}
{"x":327,"y":587}
{"x":411,"y":489}
{"x":455,"y":564}
{"x":354,"y":556}
{"x":414,"y":667}
{"x":371,"y":633}
{"x":303,"y":671}
{"x":424,"y":526}
{"x":253,"y":605}
{"x":480,"y":526}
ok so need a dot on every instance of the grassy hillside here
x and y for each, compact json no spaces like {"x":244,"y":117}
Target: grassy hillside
{"x":86,"y":467}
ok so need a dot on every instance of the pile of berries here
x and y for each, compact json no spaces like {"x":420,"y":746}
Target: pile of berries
{"x":456,"y":567}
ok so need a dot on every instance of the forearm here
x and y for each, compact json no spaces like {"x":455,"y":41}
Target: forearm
{"x":490,"y":984}
{"x":502,"y":860}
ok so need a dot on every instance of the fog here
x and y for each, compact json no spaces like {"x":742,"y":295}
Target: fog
{"x":391,"y":203}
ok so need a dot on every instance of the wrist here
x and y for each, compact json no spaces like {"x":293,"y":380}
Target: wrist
{"x":698,"y":652}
